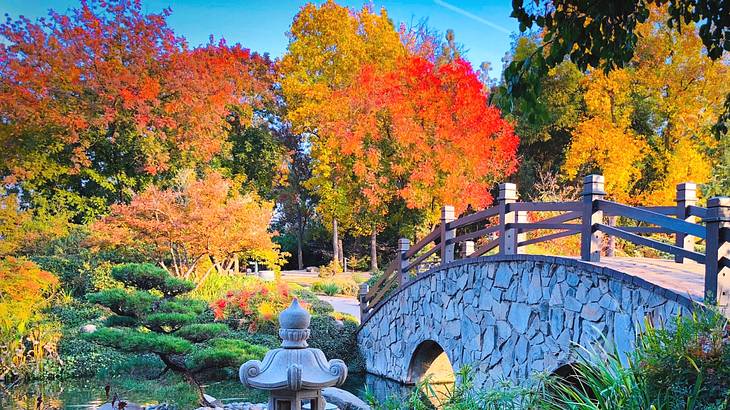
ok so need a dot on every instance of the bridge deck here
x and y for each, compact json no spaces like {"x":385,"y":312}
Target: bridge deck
{"x":684,"y":278}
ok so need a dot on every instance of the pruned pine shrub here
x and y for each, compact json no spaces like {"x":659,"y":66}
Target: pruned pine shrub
{"x":153,"y":315}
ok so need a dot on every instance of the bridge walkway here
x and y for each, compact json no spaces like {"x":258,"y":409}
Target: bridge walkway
{"x":686,"y":279}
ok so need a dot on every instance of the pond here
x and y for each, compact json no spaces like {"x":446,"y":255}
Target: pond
{"x":89,"y":394}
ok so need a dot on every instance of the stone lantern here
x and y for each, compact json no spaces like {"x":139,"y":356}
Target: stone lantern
{"x":294,"y":373}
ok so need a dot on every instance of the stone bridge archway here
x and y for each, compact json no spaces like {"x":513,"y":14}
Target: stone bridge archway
{"x":510,"y":316}
{"x":430,"y":359}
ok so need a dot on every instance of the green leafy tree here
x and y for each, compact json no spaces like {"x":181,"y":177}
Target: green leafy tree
{"x":152,"y":315}
{"x":545,"y":123}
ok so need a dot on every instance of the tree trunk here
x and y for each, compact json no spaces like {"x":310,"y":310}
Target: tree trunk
{"x":342,"y":253}
{"x":374,"y":250}
{"x":300,"y":256}
{"x":300,"y":238}
{"x":335,"y":242}
{"x":201,"y":391}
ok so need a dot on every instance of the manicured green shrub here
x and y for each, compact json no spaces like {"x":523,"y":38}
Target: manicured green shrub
{"x":337,"y":338}
{"x":146,"y":276}
{"x":269,"y":340}
{"x":73,"y":313}
{"x":320,"y":307}
{"x":81,"y":358}
{"x":336,"y":286}
{"x":224,"y":353}
{"x":200,"y":332}
{"x":169,"y":325}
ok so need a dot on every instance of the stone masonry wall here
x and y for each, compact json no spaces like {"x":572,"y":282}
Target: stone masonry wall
{"x":512,"y":316}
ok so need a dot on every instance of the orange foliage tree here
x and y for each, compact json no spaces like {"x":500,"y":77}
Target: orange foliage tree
{"x":97,"y":102}
{"x":328,"y":46}
{"x":422,"y":133}
{"x":25,"y":291}
{"x":202,"y":218}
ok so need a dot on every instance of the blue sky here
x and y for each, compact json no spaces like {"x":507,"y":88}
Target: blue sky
{"x":483,"y":27}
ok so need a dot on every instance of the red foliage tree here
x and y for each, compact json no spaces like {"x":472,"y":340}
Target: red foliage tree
{"x":94,"y":99}
{"x":423,"y":133}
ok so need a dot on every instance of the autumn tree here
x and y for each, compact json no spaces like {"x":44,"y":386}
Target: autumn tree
{"x":98,"y":103}
{"x":328,"y":44}
{"x":421,"y":133}
{"x":649,"y":125}
{"x":25,"y":292}
{"x":200,"y":218}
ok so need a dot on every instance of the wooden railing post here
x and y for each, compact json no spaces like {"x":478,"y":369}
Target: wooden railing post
{"x":447,"y":250}
{"x":507,"y":237}
{"x":686,"y":197}
{"x":467,"y":249}
{"x":590,"y":242}
{"x":362,"y":297}
{"x":403,"y":246}
{"x":717,"y":283}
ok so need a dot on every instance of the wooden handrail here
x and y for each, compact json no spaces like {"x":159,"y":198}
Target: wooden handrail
{"x":485,"y":248}
{"x":382,"y":292}
{"x":566,"y":217}
{"x":697,"y":211}
{"x":549,"y":237}
{"x":423,"y":242}
{"x":645,"y":229}
{"x":545,"y":206}
{"x":475,"y":217}
{"x":674,"y":224}
{"x":664,"y":210}
{"x":641,"y":240}
{"x":388,"y":272}
{"x":679,"y":220}
{"x":474,"y":235}
{"x":421,"y":258}
{"x":533,"y":226}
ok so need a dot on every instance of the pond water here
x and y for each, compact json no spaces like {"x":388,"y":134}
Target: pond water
{"x":89,"y":394}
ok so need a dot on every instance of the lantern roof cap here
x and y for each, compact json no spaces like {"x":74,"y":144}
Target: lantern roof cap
{"x":294,"y":366}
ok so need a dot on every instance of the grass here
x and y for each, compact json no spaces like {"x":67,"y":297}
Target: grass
{"x":216,"y":285}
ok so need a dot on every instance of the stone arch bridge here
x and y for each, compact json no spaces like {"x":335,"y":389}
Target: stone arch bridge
{"x":509,"y":314}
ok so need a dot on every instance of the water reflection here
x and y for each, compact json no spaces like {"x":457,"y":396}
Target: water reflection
{"x":89,"y":394}
{"x":383,"y":389}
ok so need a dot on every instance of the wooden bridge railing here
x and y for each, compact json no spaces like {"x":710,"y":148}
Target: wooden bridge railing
{"x":502,"y":229}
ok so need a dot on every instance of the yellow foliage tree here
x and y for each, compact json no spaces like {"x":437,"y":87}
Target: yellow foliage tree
{"x":648,"y":125}
{"x":328,"y":45}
